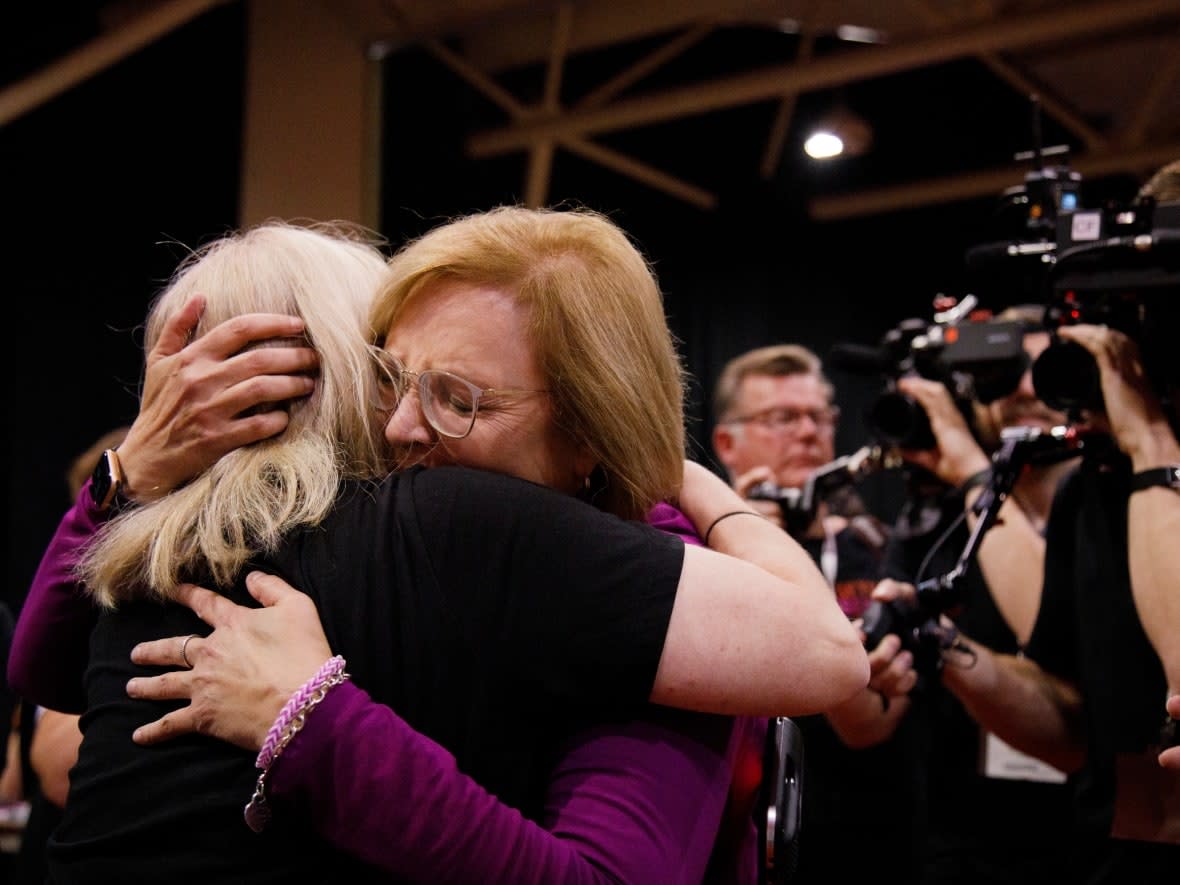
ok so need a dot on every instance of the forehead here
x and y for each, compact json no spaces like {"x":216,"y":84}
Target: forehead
{"x":771,"y":391}
{"x":467,"y":328}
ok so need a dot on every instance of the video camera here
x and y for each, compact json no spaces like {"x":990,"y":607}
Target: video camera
{"x":799,"y":506}
{"x":1118,"y":267}
{"x":975,"y":356}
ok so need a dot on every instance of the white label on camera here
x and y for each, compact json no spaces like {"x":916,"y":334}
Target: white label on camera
{"x":1007,"y":763}
{"x":1086,"y":226}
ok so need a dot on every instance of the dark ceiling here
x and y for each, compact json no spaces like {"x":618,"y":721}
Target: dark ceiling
{"x":691,"y":97}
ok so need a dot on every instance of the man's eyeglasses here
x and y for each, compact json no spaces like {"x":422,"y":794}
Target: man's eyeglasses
{"x":782,"y":419}
{"x":449,"y":403}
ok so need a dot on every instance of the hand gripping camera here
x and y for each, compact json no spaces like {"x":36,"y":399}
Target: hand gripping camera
{"x":916,"y":622}
{"x":975,"y":357}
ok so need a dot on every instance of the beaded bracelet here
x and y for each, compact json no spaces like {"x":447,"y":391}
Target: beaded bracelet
{"x":287,"y":724}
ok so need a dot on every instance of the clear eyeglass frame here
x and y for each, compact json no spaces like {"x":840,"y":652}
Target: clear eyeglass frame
{"x":449,"y":403}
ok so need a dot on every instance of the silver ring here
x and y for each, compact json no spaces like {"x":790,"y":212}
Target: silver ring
{"x":184,"y":650}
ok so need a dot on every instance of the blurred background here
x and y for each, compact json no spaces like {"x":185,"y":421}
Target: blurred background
{"x":131,"y":132}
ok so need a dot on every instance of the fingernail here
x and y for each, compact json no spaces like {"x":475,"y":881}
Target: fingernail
{"x":135,"y":655}
{"x":132,"y":688}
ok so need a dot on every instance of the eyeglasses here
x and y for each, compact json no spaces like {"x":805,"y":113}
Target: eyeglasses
{"x":782,"y":419}
{"x":449,"y":403}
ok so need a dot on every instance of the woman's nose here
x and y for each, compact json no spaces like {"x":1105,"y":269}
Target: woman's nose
{"x":406,"y":423}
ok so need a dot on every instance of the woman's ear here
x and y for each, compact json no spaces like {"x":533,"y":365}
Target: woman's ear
{"x":585,"y":463}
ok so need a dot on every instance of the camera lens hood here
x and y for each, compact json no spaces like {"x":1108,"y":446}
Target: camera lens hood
{"x":1066,"y":378}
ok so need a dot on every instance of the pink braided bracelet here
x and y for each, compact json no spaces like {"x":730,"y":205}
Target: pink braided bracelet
{"x":330,"y":669}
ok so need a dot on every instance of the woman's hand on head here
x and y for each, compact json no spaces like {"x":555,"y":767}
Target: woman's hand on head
{"x":204,"y":398}
{"x":242,"y":673}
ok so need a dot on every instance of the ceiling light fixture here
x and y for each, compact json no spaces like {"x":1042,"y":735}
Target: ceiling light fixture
{"x":838,"y":133}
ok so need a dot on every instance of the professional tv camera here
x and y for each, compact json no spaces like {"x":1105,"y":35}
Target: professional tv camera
{"x":1119,"y":267}
{"x":975,"y":356}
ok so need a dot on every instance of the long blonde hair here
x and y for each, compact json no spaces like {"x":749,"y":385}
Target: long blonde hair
{"x":246,"y":502}
{"x":597,"y":325}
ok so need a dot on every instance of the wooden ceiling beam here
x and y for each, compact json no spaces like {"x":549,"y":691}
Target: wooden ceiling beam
{"x":1052,"y":26}
{"x":98,"y":55}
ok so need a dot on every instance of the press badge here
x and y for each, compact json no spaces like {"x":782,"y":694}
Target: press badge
{"x":1007,"y":763}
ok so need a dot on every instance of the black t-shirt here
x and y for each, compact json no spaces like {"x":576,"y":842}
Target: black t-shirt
{"x":971,"y":813}
{"x":1089,"y":633}
{"x":489,"y":612}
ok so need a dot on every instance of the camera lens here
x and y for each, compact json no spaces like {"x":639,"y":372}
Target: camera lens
{"x":1065,"y":378}
{"x":898,"y":420}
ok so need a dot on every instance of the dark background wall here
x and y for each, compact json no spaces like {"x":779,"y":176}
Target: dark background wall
{"x":105,"y":187}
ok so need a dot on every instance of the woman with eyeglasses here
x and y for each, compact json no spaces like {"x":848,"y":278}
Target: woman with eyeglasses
{"x":522,"y":639}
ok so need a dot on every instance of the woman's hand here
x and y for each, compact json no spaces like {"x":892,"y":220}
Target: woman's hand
{"x":204,"y":398}
{"x":242,"y":673}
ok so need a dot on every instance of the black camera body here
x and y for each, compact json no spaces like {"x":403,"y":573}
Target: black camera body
{"x":976,"y":358}
{"x":800,"y":506}
{"x":1118,"y":267}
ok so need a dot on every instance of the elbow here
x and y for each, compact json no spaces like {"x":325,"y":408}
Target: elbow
{"x":851,"y":665}
{"x":838,"y":679}
{"x":856,"y":671}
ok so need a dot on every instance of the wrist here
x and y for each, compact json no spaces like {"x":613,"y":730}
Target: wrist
{"x":107,"y":483}
{"x":966,"y":475}
{"x":1167,"y":476}
{"x":286,"y":726}
{"x":138,"y":487}
{"x":1157,"y":448}
{"x":972,"y":483}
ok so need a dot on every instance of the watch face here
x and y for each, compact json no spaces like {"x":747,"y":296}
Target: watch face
{"x":102,"y":482}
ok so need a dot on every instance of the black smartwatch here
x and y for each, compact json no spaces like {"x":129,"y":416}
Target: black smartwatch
{"x":107,"y":480}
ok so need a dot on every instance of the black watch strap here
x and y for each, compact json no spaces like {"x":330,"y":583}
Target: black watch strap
{"x":1168,"y":477}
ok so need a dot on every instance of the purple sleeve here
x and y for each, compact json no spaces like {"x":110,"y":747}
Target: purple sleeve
{"x":611,"y":815}
{"x":667,"y":518}
{"x":52,"y":641}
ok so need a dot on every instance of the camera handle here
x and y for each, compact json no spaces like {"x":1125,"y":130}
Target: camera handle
{"x":916,"y":622}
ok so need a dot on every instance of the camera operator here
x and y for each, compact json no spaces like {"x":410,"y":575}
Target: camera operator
{"x":982,"y":792}
{"x":1143,"y":431}
{"x":776,"y":423}
{"x":1103,"y":652}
